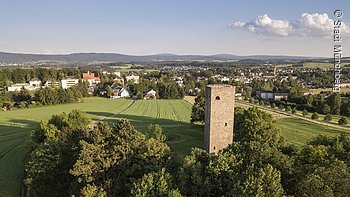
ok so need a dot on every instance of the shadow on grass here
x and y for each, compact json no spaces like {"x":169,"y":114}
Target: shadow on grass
{"x":102,"y":114}
{"x":25,"y":122}
{"x":182,"y":136}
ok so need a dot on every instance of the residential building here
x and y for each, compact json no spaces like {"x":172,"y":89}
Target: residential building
{"x":90,"y":77}
{"x":273,"y":95}
{"x":18,"y":86}
{"x":152,"y":94}
{"x":132,"y":77}
{"x":35,"y":83}
{"x":69,"y":82}
{"x":52,"y":84}
{"x":120,"y":92}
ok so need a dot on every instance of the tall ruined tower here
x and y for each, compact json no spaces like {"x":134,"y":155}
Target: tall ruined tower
{"x":219,"y":117}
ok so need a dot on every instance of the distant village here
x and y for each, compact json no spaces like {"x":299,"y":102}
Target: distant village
{"x":243,"y":76}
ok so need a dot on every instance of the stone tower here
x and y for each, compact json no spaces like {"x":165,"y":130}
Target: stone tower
{"x":219,"y":117}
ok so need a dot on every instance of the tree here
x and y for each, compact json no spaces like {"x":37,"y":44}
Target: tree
{"x":255,"y":125}
{"x":334,"y":102}
{"x":156,"y":132}
{"x":109,"y":90}
{"x":294,"y":110}
{"x":314,"y":116}
{"x":321,"y":167}
{"x":273,"y":105}
{"x":113,"y":158}
{"x":198,"y":111}
{"x":155,"y":184}
{"x":305,"y":112}
{"x":328,"y":118}
{"x":52,"y":153}
{"x":280,"y":107}
{"x":343,"y":121}
{"x":43,"y":170}
{"x":265,"y":183}
{"x":23,"y":95}
{"x":288,"y":108}
{"x":326,"y":109}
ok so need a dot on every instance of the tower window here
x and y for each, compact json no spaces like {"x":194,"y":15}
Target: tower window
{"x":214,"y":147}
{"x":217,"y":98}
{"x":225,"y":124}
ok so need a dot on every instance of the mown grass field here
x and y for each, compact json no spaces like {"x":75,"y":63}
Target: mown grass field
{"x":172,"y":115}
{"x":16,"y":125}
{"x":298,"y":131}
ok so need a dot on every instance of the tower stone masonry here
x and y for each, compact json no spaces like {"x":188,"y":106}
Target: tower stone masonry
{"x":219,"y":117}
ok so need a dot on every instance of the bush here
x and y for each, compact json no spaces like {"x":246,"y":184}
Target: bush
{"x":294,"y":110}
{"x":281,"y":107}
{"x":288,"y":109}
{"x":261,"y":102}
{"x":328,"y":118}
{"x":314,"y":116}
{"x":273,"y":105}
{"x":305,"y":113}
{"x":343,"y":121}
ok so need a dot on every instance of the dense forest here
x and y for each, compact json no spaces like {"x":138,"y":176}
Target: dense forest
{"x":70,"y":156}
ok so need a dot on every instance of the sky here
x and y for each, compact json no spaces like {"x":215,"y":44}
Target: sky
{"x":203,"y":27}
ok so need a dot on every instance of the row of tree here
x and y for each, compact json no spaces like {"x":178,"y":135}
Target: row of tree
{"x":11,"y":76}
{"x":43,"y":96}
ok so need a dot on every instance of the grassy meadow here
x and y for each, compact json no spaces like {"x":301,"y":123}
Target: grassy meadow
{"x":16,"y":126}
{"x":172,"y":115}
{"x":298,"y":131}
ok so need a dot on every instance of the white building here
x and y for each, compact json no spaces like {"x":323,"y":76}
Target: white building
{"x":135,"y":78}
{"x":121,"y":93}
{"x":18,"y":86}
{"x":124,"y":93}
{"x":150,"y":95}
{"x":35,"y":83}
{"x":225,"y":79}
{"x":69,"y":82}
{"x":52,"y":84}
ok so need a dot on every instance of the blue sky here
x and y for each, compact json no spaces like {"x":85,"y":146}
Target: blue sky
{"x":163,"y":26}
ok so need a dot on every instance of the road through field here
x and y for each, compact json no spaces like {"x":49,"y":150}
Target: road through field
{"x":287,"y":114}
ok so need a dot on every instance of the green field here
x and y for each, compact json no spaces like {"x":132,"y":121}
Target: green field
{"x":172,"y":115}
{"x":298,"y":131}
{"x":15,"y":127}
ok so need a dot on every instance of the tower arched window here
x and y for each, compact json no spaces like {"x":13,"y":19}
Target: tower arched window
{"x":217,"y":98}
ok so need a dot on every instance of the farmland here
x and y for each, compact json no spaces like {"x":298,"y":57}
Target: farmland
{"x":15,"y":127}
{"x":172,"y":115}
{"x":298,"y":131}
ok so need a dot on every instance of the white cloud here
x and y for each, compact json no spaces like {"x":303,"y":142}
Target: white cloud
{"x":308,"y":25}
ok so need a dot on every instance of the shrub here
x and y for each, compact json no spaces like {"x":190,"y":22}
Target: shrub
{"x":328,"y":118}
{"x":281,"y":107}
{"x":288,"y":109}
{"x":294,"y":110}
{"x":343,"y":121}
{"x":314,"y":116}
{"x":273,"y":105}
{"x":305,"y":113}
